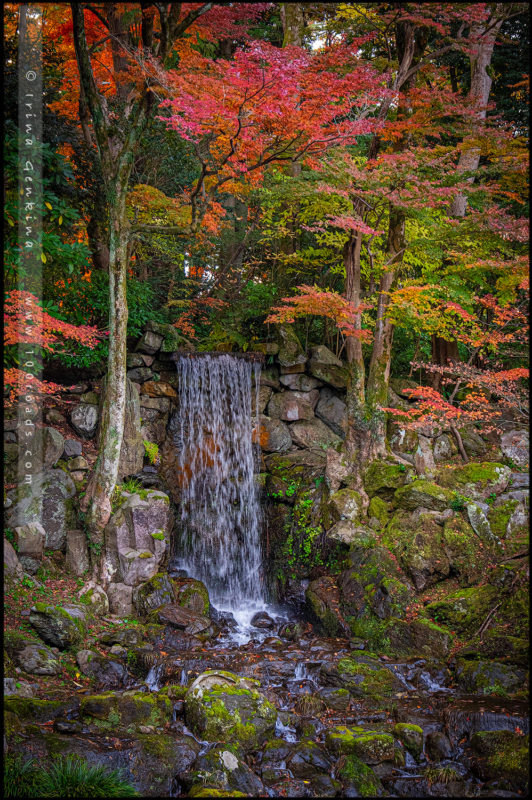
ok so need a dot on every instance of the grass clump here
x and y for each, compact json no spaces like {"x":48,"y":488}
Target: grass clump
{"x":67,"y":776}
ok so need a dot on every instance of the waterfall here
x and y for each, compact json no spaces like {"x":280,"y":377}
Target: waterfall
{"x":220,"y":511}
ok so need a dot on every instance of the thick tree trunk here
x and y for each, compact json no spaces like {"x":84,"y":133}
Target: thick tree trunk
{"x":293,"y":24}
{"x":442,"y":352}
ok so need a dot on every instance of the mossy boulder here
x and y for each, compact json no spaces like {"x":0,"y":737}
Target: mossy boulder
{"x":417,"y":543}
{"x":152,"y":594}
{"x":464,"y":610}
{"x":372,"y":747}
{"x":127,"y":710}
{"x":224,"y":774}
{"x":59,"y":626}
{"x":220,"y":706}
{"x":340,"y":739}
{"x":373,"y":585}
{"x":191,"y":593}
{"x":477,"y":480}
{"x":461,"y":546}
{"x":323,"y":604}
{"x":345,"y":504}
{"x":358,"y":777}
{"x":411,"y":736}
{"x":489,"y":677}
{"x":502,"y":755}
{"x":307,"y":759}
{"x":418,"y":637}
{"x":383,"y":478}
{"x":423,"y":494}
{"x":36,"y":709}
{"x":365,"y":677}
{"x":499,"y":516}
{"x":379,"y":510}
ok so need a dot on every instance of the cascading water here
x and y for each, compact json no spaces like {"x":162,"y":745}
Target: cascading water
{"x":220,"y":511}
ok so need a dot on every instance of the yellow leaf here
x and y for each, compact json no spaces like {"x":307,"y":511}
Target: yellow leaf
{"x":60,"y":220}
{"x":48,"y":205}
{"x":43,"y":258}
{"x":11,"y":222}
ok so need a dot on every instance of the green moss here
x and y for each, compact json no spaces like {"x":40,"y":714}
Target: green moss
{"x":499,"y":516}
{"x":362,"y":777}
{"x":423,"y":494}
{"x":481,"y":473}
{"x":33,"y":708}
{"x":379,"y":509}
{"x":365,"y":680}
{"x":206,"y":791}
{"x":506,"y":754}
{"x":383,"y":478}
{"x":410,"y":735}
{"x":465,"y":610}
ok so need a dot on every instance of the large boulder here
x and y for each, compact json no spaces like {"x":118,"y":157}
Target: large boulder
{"x":423,"y":494}
{"x":292,"y":406}
{"x":332,"y":411}
{"x":345,"y":504}
{"x":36,"y":659}
{"x":77,"y":552}
{"x":30,"y":546}
{"x":12,"y":566}
{"x":105,"y":672}
{"x":314,"y":435}
{"x":220,"y":706}
{"x":418,"y":637}
{"x":477,"y":480}
{"x":383,"y":478}
{"x":325,"y":366}
{"x":156,"y":592}
{"x":299,"y":382}
{"x":515,"y":447}
{"x":464,"y":610}
{"x":84,"y":419}
{"x":418,"y":544}
{"x":59,"y":626}
{"x":220,"y":773}
{"x":48,"y":500}
{"x":273,"y":435}
{"x":184,"y":620}
{"x":137,"y":538}
{"x":323,"y":604}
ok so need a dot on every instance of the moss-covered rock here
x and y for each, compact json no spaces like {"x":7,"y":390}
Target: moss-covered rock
{"x":323,"y":602}
{"x":502,"y":755}
{"x":357,"y":776}
{"x":36,"y":709}
{"x":499,"y":516}
{"x":461,"y":546}
{"x":156,"y":592}
{"x":411,"y":736}
{"x":489,"y":677}
{"x":464,"y":610}
{"x":224,"y":708}
{"x":423,"y":494}
{"x":191,"y":593}
{"x":126,"y":711}
{"x":379,"y":509}
{"x":417,"y":543}
{"x":59,"y":626}
{"x":365,"y":677}
{"x":477,"y":480}
{"x":345,"y":504}
{"x":418,"y":637}
{"x":383,"y":478}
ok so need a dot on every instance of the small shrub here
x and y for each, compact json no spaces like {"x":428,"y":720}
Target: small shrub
{"x":152,"y":451}
{"x":71,"y":776}
{"x":21,"y":778}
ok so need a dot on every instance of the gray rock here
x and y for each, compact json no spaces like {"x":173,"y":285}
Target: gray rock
{"x":136,"y":539}
{"x":438,"y":746}
{"x":424,"y":458}
{"x":347,"y":532}
{"x":300,"y":382}
{"x":12,"y":686}
{"x":78,"y":464}
{"x":140,"y":374}
{"x":153,"y":594}
{"x":149,"y":343}
{"x":107,"y":673}
{"x":59,"y":626}
{"x":54,"y":417}
{"x":37,"y":659}
{"x":220,"y":770}
{"x":515,"y":446}
{"x":12,"y":567}
{"x":49,"y":501}
{"x":292,"y":406}
{"x":273,"y":435}
{"x":314,"y":434}
{"x":325,"y":366}
{"x":30,"y":542}
{"x":53,"y":446}
{"x":480,"y":524}
{"x":95,"y":597}
{"x":84,"y":419}
{"x":346,"y":504}
{"x":72,"y":448}
{"x":332,"y":411}
{"x":161,"y":404}
{"x":120,"y":598}
{"x":264,"y":394}
{"x":519,"y":480}
{"x":474,"y":444}
{"x":134,"y":360}
{"x":132,"y":449}
{"x":77,"y":552}
{"x":443,"y":448}
{"x":337,"y":470}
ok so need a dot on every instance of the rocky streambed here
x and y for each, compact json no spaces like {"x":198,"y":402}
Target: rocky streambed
{"x":287,"y":713}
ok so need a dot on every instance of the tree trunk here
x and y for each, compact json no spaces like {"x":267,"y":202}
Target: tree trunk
{"x":442,"y":352}
{"x":293,"y":24}
{"x":97,"y":500}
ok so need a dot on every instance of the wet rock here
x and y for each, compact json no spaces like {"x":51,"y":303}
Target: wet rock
{"x":309,"y":705}
{"x":38,"y":660}
{"x":48,"y":501}
{"x":77,"y":552}
{"x":477,"y":480}
{"x":325,"y":366}
{"x":364,"y":676}
{"x":488,"y":677}
{"x":501,"y":754}
{"x":464,"y":717}
{"x":423,"y":494}
{"x":335,"y":698}
{"x":291,"y":353}
{"x":221,"y":706}
{"x":383,"y":479}
{"x":192,"y":594}
{"x":59,"y":626}
{"x":411,"y":736}
{"x":295,"y":630}
{"x":95,"y":597}
{"x":156,"y":592}
{"x":332,"y":411}
{"x":357,"y":778}
{"x":314,"y":434}
{"x":265,"y":392}
{"x":308,"y":758}
{"x":262,"y":620}
{"x":30,"y":540}
{"x":72,"y":448}
{"x":515,"y":447}
{"x":183,"y":619}
{"x":323,"y":603}
{"x":106,"y":673}
{"x":438,"y":746}
{"x":418,"y":637}
{"x":84,"y":420}
{"x":222,"y":771}
{"x":292,"y":406}
{"x":273,"y":435}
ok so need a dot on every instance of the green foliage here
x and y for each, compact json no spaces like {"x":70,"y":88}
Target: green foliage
{"x":152,"y":451}
{"x":10,"y":536}
{"x":458,"y":502}
{"x":68,"y":776}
